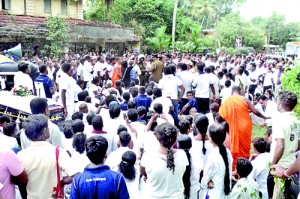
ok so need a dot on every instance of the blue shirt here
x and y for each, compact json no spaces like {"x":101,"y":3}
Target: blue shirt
{"x":143,"y":100}
{"x":124,"y":106}
{"x":192,"y":103}
{"x":47,"y":82}
{"x":99,"y":183}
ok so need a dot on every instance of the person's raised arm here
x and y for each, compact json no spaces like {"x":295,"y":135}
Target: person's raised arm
{"x":254,"y":110}
{"x":184,"y":108}
{"x":152,"y":119}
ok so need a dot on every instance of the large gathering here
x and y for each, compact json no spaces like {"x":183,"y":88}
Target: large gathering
{"x":145,"y":117}
{"x":158,"y":126}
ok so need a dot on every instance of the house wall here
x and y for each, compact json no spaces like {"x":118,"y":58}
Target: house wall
{"x":16,"y":7}
{"x":36,"y":8}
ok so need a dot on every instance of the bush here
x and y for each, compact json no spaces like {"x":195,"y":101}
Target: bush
{"x":291,"y":82}
{"x":243,"y":50}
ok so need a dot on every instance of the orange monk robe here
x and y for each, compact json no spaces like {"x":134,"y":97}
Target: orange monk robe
{"x":235,"y":111}
{"x":117,"y":73}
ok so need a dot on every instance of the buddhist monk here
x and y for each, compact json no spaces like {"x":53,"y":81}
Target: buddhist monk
{"x":117,"y":73}
{"x":235,"y":110}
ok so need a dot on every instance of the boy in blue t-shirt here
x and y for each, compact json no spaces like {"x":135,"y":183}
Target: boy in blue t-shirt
{"x":191,"y":104}
{"x":97,"y":180}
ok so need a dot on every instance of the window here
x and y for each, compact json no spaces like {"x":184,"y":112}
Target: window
{"x":47,"y":6}
{"x":63,"y":7}
{"x":5,"y":4}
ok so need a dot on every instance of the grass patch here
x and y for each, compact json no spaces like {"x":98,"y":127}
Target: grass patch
{"x":257,"y":131}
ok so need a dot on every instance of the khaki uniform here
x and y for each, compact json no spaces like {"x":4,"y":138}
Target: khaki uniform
{"x":156,"y":70}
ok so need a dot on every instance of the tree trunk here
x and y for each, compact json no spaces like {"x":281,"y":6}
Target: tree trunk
{"x":207,"y":20}
{"x":107,"y":12}
{"x":217,"y":33}
{"x":202,"y":21}
{"x":174,"y":23}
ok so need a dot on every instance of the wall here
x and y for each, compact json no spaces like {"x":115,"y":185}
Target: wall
{"x":55,"y":8}
{"x":38,"y":7}
{"x":73,"y":10}
{"x":17,"y":7}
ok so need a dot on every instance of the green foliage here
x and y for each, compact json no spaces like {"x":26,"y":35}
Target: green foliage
{"x":232,"y":26}
{"x":280,"y":32}
{"x":57,"y":36}
{"x":291,"y":82}
{"x":160,"y":41}
{"x":243,"y":50}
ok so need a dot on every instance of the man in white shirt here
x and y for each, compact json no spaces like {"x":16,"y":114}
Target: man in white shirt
{"x":285,"y":132}
{"x":22,"y":77}
{"x":253,"y":75}
{"x":97,"y":130}
{"x":187,"y":78}
{"x":165,"y":101}
{"x":270,"y":110}
{"x":98,"y":68}
{"x":169,"y":85}
{"x":40,"y":106}
{"x":87,"y":70}
{"x":114,"y":159}
{"x":215,"y":81}
{"x":203,"y":82}
{"x":66,"y":88}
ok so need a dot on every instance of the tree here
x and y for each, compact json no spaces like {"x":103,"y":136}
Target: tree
{"x":278,"y":30}
{"x":204,"y":10}
{"x":174,"y":21}
{"x":161,"y":40}
{"x":291,"y":82}
{"x":233,"y":26}
{"x":108,"y":4}
{"x":57,"y":36}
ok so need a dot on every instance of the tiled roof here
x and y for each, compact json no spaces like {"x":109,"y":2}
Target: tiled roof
{"x":31,"y":27}
{"x":40,"y":21}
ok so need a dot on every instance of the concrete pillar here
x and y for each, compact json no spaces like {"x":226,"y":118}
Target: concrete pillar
{"x":29,"y":5}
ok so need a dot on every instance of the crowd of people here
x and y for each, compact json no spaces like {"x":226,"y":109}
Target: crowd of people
{"x":165,"y":125}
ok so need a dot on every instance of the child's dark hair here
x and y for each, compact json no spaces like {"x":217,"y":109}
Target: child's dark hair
{"x":260,"y":144}
{"x":243,"y":167}
{"x":79,"y":142}
{"x":68,"y":131}
{"x":9,"y":129}
{"x":184,"y":126}
{"x":166,"y":134}
{"x":4,"y":119}
{"x":126,"y":166}
{"x":185,"y":143}
{"x":141,"y":110}
{"x":201,"y":123}
{"x":218,"y":136}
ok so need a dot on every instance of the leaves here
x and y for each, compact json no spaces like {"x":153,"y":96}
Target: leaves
{"x":233,"y":26}
{"x":290,"y":82}
{"x":58,"y":35}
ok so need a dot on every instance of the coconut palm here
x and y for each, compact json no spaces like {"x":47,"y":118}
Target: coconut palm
{"x":174,"y":21}
{"x":108,"y":4}
{"x":203,"y":10}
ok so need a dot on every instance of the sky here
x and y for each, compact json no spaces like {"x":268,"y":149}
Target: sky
{"x":264,"y":8}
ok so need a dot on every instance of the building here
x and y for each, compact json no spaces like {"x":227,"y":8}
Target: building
{"x":23,"y":21}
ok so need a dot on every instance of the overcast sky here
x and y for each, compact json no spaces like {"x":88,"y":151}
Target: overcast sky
{"x":264,"y":8}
